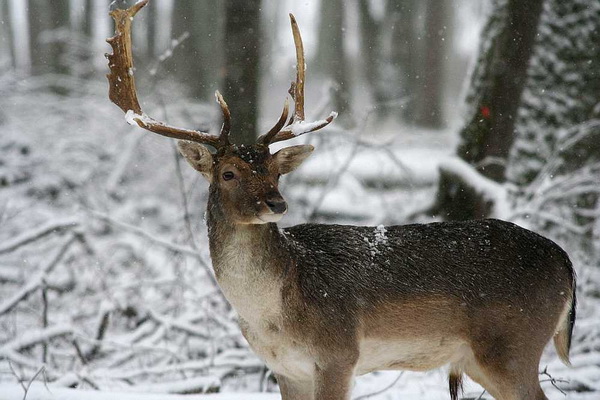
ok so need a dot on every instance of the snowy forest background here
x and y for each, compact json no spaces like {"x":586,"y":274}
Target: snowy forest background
{"x":448,"y":110}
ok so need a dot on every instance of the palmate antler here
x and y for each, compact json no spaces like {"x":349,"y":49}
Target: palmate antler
{"x":122,"y":92}
{"x":122,"y":86}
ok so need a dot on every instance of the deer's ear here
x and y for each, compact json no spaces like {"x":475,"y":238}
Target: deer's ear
{"x":198,"y":157}
{"x":290,"y":158}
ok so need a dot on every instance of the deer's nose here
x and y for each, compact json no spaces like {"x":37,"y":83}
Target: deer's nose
{"x":278,"y":206}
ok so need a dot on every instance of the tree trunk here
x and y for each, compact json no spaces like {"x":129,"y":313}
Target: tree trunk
{"x":6,"y":30}
{"x":38,"y":12}
{"x":493,"y":100}
{"x":331,"y":57}
{"x":562,"y":90}
{"x":208,"y":38}
{"x":241,"y":66}
{"x":430,"y":98}
{"x":558,"y":124}
{"x":196,"y":61}
{"x":20,"y":33}
{"x":151,"y":50}
{"x":371,"y":40}
{"x":87,"y":18}
{"x":404,"y":55}
{"x":57,"y":47}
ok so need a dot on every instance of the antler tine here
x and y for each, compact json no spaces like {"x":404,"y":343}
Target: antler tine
{"x":266,"y":138}
{"x":298,"y":87}
{"x":122,"y":90}
{"x":226,"y":127}
{"x":296,"y":126}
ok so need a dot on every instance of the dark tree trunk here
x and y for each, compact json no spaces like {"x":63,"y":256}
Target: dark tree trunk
{"x":197,"y":60}
{"x":38,"y":12}
{"x":493,"y":99}
{"x":370,"y":35}
{"x":562,"y":90}
{"x":151,"y":51}
{"x":57,"y":47}
{"x":209,"y":38}
{"x":87,"y":18}
{"x":430,"y":98}
{"x":488,"y":135}
{"x":557,"y":124}
{"x":6,"y":30}
{"x":48,"y":44}
{"x":241,"y":66}
{"x":331,"y":57}
{"x":404,"y":54}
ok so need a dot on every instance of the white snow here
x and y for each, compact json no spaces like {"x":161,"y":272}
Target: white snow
{"x":131,"y":117}
{"x":300,"y":127}
{"x":38,"y":391}
{"x":489,"y":189}
{"x":380,"y":235}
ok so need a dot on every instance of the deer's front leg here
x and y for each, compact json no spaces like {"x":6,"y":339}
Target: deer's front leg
{"x":333,"y":381}
{"x":294,"y":390}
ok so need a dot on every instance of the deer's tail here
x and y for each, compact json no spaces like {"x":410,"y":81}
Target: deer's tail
{"x":564,"y":333}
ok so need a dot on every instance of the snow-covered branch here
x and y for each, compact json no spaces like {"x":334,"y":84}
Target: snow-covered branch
{"x":34,"y":283}
{"x":491,"y":191}
{"x":38,"y":233}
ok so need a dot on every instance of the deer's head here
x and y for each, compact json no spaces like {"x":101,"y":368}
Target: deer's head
{"x":244,"y":178}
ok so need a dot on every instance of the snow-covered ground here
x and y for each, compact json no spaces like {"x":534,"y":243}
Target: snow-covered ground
{"x":104,"y":281}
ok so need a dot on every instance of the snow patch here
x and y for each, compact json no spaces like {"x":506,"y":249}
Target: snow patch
{"x":300,"y":127}
{"x":378,"y":241}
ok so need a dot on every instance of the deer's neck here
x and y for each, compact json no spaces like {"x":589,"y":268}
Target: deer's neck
{"x":249,"y":263}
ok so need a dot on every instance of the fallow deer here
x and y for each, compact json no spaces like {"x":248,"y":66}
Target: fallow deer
{"x":323,"y":303}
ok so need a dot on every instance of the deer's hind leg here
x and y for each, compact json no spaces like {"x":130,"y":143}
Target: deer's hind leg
{"x":505,"y":370}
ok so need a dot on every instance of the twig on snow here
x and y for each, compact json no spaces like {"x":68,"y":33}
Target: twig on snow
{"x":385,"y":389}
{"x":553,"y":380}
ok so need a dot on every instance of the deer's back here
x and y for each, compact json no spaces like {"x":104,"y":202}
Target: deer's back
{"x":479,"y":262}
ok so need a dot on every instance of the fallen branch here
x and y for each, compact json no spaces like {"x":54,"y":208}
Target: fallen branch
{"x":37,"y":234}
{"x":162,"y":242}
{"x":35,"y":283}
{"x":200,"y":384}
{"x":465,"y":193}
{"x":33,"y":338}
{"x":378,"y":392}
{"x":178,"y":324}
{"x":188,"y":251}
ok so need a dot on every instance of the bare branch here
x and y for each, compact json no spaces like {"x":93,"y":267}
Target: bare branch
{"x":38,"y":233}
{"x":385,"y":389}
{"x":168,"y":245}
{"x":34,"y":283}
{"x":33,"y":338}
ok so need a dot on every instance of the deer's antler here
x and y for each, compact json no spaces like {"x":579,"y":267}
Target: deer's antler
{"x":122,"y":86}
{"x":296,"y":125}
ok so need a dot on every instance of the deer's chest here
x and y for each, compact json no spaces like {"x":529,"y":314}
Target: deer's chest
{"x":282,"y":353}
{"x":255,"y":294}
{"x":249,"y":285}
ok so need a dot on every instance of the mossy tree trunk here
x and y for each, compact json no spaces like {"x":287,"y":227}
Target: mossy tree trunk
{"x":493,"y":100}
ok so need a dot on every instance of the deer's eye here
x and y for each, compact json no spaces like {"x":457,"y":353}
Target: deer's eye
{"x":227,"y":176}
